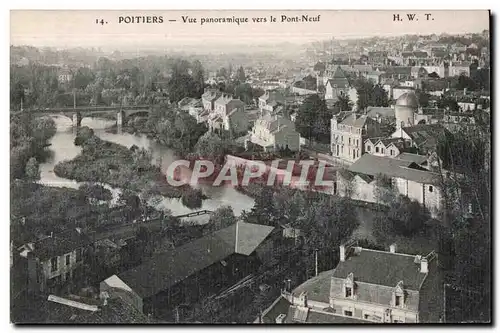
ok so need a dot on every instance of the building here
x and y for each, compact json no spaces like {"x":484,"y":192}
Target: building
{"x":338,"y":85}
{"x":64,"y":75}
{"x":390,"y":147}
{"x":209,"y":97}
{"x":275,"y":132}
{"x":366,"y":287}
{"x":270,"y":101}
{"x":386,"y":286}
{"x":195,"y":270}
{"x":423,"y":137}
{"x":55,"y":261}
{"x":408,"y":178}
{"x":229,"y":115}
{"x":348,"y":135}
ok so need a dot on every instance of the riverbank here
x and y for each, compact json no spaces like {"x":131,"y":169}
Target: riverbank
{"x":110,"y":163}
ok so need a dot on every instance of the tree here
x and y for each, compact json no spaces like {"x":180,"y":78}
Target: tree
{"x":198,"y":78}
{"x":383,"y":191}
{"x":263,"y":211}
{"x":379,"y":97}
{"x":209,"y":145}
{"x":408,"y":217}
{"x":364,"y":91}
{"x":313,"y":118}
{"x":240,"y":75}
{"x":32,"y":170}
{"x":343,"y":103}
{"x":221,"y":218}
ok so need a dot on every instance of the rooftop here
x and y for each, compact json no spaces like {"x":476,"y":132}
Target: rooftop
{"x":381,"y":268}
{"x":392,"y":167}
{"x":60,"y":243}
{"x":167,"y":269}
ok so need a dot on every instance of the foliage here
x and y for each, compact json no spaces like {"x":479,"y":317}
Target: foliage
{"x":221,"y":218}
{"x":96,"y":192}
{"x":32,"y":172}
{"x":192,"y":199}
{"x":383,"y":190}
{"x":313,"y":119}
{"x":29,"y":137}
{"x":370,"y":94}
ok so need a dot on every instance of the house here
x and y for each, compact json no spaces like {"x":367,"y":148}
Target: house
{"x":195,"y":270}
{"x":348,"y":135}
{"x":64,"y":75}
{"x":407,"y":177}
{"x":271,"y":100}
{"x":56,"y":260}
{"x":374,"y":76}
{"x":397,"y":72}
{"x":389,"y":84}
{"x":367,"y":287}
{"x":390,"y":147}
{"x":209,"y":97}
{"x":228,"y":114}
{"x":424,"y":137}
{"x":338,"y":85}
{"x":387,"y":286}
{"x":275,"y":132}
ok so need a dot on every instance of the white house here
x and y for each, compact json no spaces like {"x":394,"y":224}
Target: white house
{"x":275,"y":132}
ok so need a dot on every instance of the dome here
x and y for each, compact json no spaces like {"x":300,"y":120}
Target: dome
{"x":408,"y":99}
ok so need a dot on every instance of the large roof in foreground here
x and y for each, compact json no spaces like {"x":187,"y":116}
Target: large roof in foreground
{"x":166,"y":269}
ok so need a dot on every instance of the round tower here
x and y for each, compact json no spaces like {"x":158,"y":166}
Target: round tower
{"x":405,"y":108}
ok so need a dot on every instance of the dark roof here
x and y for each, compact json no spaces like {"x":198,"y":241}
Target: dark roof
{"x":117,"y":311}
{"x":419,"y":159}
{"x":317,"y":288}
{"x":398,"y":70}
{"x":355,"y":120}
{"x":320,"y":66}
{"x":381,"y":268}
{"x":166,"y":269}
{"x":426,"y":135}
{"x":339,"y":78}
{"x":392,"y":167}
{"x":384,"y":112}
{"x":60,"y":244}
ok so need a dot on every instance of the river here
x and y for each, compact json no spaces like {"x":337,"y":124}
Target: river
{"x":63,"y":148}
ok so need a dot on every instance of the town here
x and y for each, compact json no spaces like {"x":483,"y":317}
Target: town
{"x":398,"y":125}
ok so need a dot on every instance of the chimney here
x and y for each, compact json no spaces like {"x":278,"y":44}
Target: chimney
{"x":393,"y":248}
{"x":342,"y":252}
{"x":281,"y":318}
{"x":423,"y":266}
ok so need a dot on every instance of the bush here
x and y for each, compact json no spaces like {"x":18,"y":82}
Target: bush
{"x":192,"y":198}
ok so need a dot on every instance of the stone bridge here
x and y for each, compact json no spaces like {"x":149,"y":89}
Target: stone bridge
{"x":76,"y":114}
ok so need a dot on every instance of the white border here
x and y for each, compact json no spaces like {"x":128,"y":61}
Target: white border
{"x":189,"y":4}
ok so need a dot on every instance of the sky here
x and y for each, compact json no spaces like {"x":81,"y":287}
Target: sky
{"x":79,"y":28}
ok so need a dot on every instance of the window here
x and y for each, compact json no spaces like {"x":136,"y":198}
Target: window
{"x":368,"y":148}
{"x":349,"y":141}
{"x":79,"y":255}
{"x":430,"y":188}
{"x":348,"y":313}
{"x":398,"y":300}
{"x":376,"y":149}
{"x":357,"y":142}
{"x":53,"y":264}
{"x":67,"y":259}
{"x":382,"y":150}
{"x":392,"y":152}
{"x":67,"y":276}
{"x":348,"y":292}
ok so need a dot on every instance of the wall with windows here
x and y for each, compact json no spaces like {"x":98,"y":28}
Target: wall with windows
{"x":59,"y":269}
{"x":376,"y":303}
